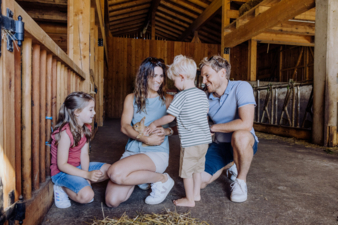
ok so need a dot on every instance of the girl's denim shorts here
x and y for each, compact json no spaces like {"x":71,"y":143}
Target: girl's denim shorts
{"x":75,"y":183}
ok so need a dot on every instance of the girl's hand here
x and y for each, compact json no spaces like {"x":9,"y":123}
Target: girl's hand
{"x":153,"y":140}
{"x":94,"y":175}
{"x":159,"y":131}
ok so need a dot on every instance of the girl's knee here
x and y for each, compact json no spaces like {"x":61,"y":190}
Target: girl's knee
{"x":85,"y":195}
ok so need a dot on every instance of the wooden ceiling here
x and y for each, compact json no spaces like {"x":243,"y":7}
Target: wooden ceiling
{"x":173,"y":18}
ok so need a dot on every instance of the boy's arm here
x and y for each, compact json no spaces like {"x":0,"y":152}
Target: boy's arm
{"x":162,"y":121}
{"x":64,"y":166}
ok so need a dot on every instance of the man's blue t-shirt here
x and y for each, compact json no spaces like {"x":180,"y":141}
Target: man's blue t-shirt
{"x":225,"y":108}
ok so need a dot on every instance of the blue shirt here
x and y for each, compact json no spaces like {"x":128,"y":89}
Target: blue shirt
{"x":225,"y":108}
{"x":155,"y":109}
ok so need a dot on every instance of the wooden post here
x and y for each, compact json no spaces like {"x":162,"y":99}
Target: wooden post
{"x":58,"y":88}
{"x":26,"y":117}
{"x":17,"y":83}
{"x":153,"y":24}
{"x":101,"y":86}
{"x":325,"y":73}
{"x":280,"y":64}
{"x":7,"y":149}
{"x":42,"y":116}
{"x":225,"y":22}
{"x":36,"y":115}
{"x":54,"y":92}
{"x":252,"y":58}
{"x":49,"y":102}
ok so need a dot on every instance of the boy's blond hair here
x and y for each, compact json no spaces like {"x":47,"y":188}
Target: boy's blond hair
{"x":184,"y":66}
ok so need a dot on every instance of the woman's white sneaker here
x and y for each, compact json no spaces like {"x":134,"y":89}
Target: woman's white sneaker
{"x":159,"y":191}
{"x":61,"y":198}
{"x":239,"y":191}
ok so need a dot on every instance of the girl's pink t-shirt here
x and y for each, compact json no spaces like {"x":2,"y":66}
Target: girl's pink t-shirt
{"x":74,"y":156}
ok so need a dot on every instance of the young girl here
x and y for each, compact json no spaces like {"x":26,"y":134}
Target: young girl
{"x":71,"y":171}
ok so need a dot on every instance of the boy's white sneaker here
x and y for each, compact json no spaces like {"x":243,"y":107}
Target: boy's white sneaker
{"x":61,"y":198}
{"x":144,"y":187}
{"x":239,"y":191}
{"x":232,"y":173}
{"x":159,"y":191}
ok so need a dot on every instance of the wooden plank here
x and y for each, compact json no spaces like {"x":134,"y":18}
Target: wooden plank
{"x":298,"y":133}
{"x":203,"y":18}
{"x":129,"y":10}
{"x":279,"y":12}
{"x":309,"y":15}
{"x":286,"y":39}
{"x":49,"y":100}
{"x":37,"y":33}
{"x":252,"y":56}
{"x":58,"y":87}
{"x":99,"y":6}
{"x":179,"y":9}
{"x":127,"y":15}
{"x":54,"y":103}
{"x":225,"y":22}
{"x":101,"y":84}
{"x":176,"y":15}
{"x":296,"y":28}
{"x":126,"y":5}
{"x":43,"y":84}
{"x":18,"y":125}
{"x":27,"y":117}
{"x":171,"y":19}
{"x":51,"y":15}
{"x":36,"y":116}
{"x":129,"y":19}
{"x":7,"y":149}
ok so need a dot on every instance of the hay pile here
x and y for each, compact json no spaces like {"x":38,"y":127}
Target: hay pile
{"x":248,"y":5}
{"x":165,"y":218}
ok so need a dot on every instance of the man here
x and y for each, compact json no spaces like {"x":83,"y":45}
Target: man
{"x":231,"y":108}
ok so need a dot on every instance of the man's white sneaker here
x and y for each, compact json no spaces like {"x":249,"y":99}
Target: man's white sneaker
{"x":232,"y":173}
{"x":144,"y":187}
{"x":61,"y":198}
{"x":239,"y":191}
{"x":159,"y":191}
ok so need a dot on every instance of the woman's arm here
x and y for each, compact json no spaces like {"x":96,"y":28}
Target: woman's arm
{"x":127,"y":129}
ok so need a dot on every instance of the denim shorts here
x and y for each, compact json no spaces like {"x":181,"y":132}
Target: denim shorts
{"x":75,"y":183}
{"x":219,"y":155}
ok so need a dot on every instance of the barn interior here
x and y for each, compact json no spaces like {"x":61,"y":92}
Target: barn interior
{"x":286,"y":49}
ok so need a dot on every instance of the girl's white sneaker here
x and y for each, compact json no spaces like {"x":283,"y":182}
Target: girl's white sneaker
{"x":61,"y":199}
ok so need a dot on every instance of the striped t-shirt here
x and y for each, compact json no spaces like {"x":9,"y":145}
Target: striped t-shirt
{"x":190,"y":107}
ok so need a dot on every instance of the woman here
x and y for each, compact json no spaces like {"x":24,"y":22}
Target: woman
{"x":141,"y":165}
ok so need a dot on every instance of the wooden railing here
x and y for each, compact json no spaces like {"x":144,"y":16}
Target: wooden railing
{"x":48,"y":76}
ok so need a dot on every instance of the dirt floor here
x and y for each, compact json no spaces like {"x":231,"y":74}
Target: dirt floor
{"x":290,"y":182}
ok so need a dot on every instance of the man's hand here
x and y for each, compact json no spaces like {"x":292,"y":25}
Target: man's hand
{"x":94,"y":175}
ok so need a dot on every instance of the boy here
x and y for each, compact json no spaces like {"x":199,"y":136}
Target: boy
{"x":190,"y":106}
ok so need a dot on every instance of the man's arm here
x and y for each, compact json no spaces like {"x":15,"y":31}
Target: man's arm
{"x":245,"y":121}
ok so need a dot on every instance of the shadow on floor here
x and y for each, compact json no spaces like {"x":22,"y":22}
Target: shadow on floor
{"x":287,"y":184}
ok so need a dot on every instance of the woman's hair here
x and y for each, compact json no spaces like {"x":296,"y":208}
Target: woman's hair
{"x":184,"y":66}
{"x":74,"y":101}
{"x":217,"y":63}
{"x":146,"y":71}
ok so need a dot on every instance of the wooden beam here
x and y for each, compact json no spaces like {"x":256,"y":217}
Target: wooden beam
{"x":166,"y":31}
{"x":172,"y":19}
{"x":39,"y":35}
{"x":179,"y":9}
{"x":285,"y":39}
{"x":299,"y":133}
{"x":176,"y":15}
{"x":188,"y":6}
{"x":281,"y":11}
{"x":216,"y":39}
{"x":165,"y":35}
{"x":102,"y":27}
{"x":127,"y":5}
{"x":252,"y":60}
{"x":114,"y":2}
{"x":170,"y":29}
{"x":43,"y":4}
{"x":51,"y":15}
{"x":151,"y":18}
{"x":132,"y":30}
{"x":127,"y":15}
{"x":127,"y":27}
{"x":169,"y":23}
{"x":225,"y":22}
{"x":204,"y":17}
{"x":129,"y":10}
{"x":296,"y":28}
{"x":199,"y":3}
{"x":133,"y":18}
{"x":125,"y":24}
{"x":308,"y":15}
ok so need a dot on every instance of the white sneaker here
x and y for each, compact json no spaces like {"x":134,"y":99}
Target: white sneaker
{"x":232,"y":173}
{"x":239,"y":191}
{"x":144,"y":187}
{"x":160,"y":191}
{"x":61,"y":198}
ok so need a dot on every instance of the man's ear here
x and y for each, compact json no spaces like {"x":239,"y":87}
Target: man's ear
{"x":223,"y":72}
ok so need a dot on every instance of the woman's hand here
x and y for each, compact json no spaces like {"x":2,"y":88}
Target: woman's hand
{"x":152,"y":139}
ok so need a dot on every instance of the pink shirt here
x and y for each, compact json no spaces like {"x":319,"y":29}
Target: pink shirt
{"x":74,"y":156}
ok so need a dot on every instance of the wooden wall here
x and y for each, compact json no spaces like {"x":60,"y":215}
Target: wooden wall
{"x":126,"y":55}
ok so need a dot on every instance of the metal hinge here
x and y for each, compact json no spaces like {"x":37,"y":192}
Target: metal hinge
{"x":100,"y":42}
{"x":14,"y":29}
{"x":226,"y":50}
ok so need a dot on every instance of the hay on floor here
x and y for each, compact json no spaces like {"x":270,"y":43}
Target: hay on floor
{"x":165,"y":218}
